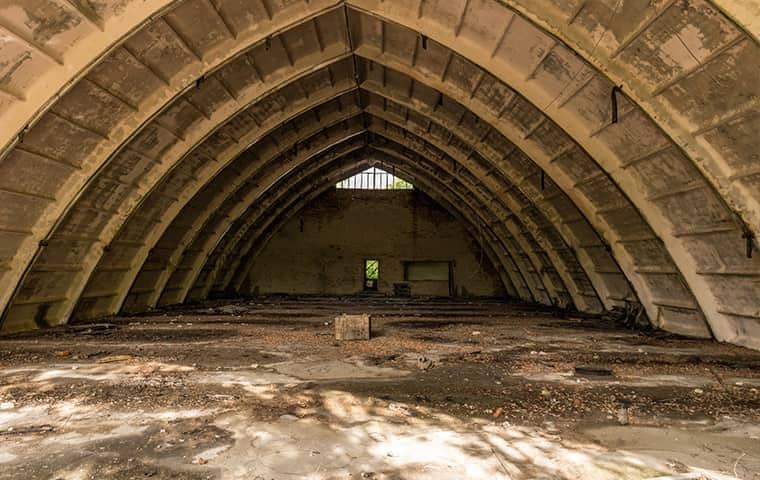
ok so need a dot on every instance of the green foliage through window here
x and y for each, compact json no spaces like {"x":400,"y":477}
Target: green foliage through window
{"x":371,"y":269}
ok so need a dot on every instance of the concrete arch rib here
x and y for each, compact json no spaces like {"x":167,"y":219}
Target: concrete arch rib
{"x":272,"y":224}
{"x":81,"y":242}
{"x":742,"y":287}
{"x":134,"y":234}
{"x":256,"y":241}
{"x":96,"y":291}
{"x":237,"y":280}
{"x":142,"y":288}
{"x":196,"y":256}
{"x":111,"y":280}
{"x":420,"y":171}
{"x":57,"y":62}
{"x":518,"y":134}
{"x":147,"y":283}
{"x":212,"y":201}
{"x":146,"y":277}
{"x":509,"y":218}
{"x":523,"y":187}
{"x":225,"y":247}
{"x":624,"y":179}
{"x":125,"y":94}
{"x":659,"y":51}
{"x":81,"y":46}
{"x":284,"y":190}
{"x":544,"y":287}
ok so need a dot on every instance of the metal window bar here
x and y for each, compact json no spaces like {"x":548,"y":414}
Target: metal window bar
{"x":374,"y":179}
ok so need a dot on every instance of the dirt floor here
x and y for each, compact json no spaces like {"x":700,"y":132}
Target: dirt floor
{"x":261,"y":390}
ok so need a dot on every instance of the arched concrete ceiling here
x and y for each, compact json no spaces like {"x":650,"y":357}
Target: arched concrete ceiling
{"x":218,"y":271}
{"x":201,"y":249}
{"x":118,"y":116}
{"x":232,"y":276}
{"x":220,"y":213}
{"x":326,"y":114}
{"x":197,"y":259}
{"x":224,"y":182}
{"x":527,"y":265}
{"x":427,"y":180}
{"x":320,"y":174}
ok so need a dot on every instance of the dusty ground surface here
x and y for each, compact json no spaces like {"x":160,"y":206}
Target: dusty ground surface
{"x":445,"y":390}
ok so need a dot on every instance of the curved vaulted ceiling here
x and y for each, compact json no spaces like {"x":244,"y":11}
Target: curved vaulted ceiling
{"x":150,"y":148}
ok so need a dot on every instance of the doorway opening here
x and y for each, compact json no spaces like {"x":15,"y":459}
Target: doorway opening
{"x":435,"y":278}
{"x":371,"y":274}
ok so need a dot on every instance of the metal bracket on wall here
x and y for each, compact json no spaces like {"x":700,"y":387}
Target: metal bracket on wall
{"x":22,"y":133}
{"x":615,"y":90}
{"x":750,"y":239}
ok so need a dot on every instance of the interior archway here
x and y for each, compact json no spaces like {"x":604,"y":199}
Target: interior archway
{"x":558,"y":278}
{"x":666,"y":250}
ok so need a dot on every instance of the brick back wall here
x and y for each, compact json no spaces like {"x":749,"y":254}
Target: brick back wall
{"x":343,"y":227}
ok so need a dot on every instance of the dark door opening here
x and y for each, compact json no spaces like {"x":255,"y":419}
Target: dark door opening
{"x":371,"y":274}
{"x":434,"y":278}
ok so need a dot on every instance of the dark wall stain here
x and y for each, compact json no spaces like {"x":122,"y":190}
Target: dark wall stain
{"x":47,"y":19}
{"x":10,"y":67}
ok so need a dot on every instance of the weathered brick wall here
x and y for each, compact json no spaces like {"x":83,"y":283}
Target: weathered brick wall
{"x":343,"y":227}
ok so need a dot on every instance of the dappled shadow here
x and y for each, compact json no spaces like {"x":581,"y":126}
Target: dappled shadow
{"x":327,"y":434}
{"x":427,"y":443}
{"x":258,"y":422}
{"x":473,"y":397}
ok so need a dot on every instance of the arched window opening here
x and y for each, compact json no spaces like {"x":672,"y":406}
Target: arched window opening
{"x":374,"y":178}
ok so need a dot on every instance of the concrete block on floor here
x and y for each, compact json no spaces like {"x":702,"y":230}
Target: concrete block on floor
{"x":353,"y":327}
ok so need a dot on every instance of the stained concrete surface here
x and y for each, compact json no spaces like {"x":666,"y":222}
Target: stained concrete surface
{"x":445,"y":389}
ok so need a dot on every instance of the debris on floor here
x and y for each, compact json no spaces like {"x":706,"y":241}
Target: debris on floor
{"x":353,"y":327}
{"x":268,"y":393}
{"x":593,"y":371}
